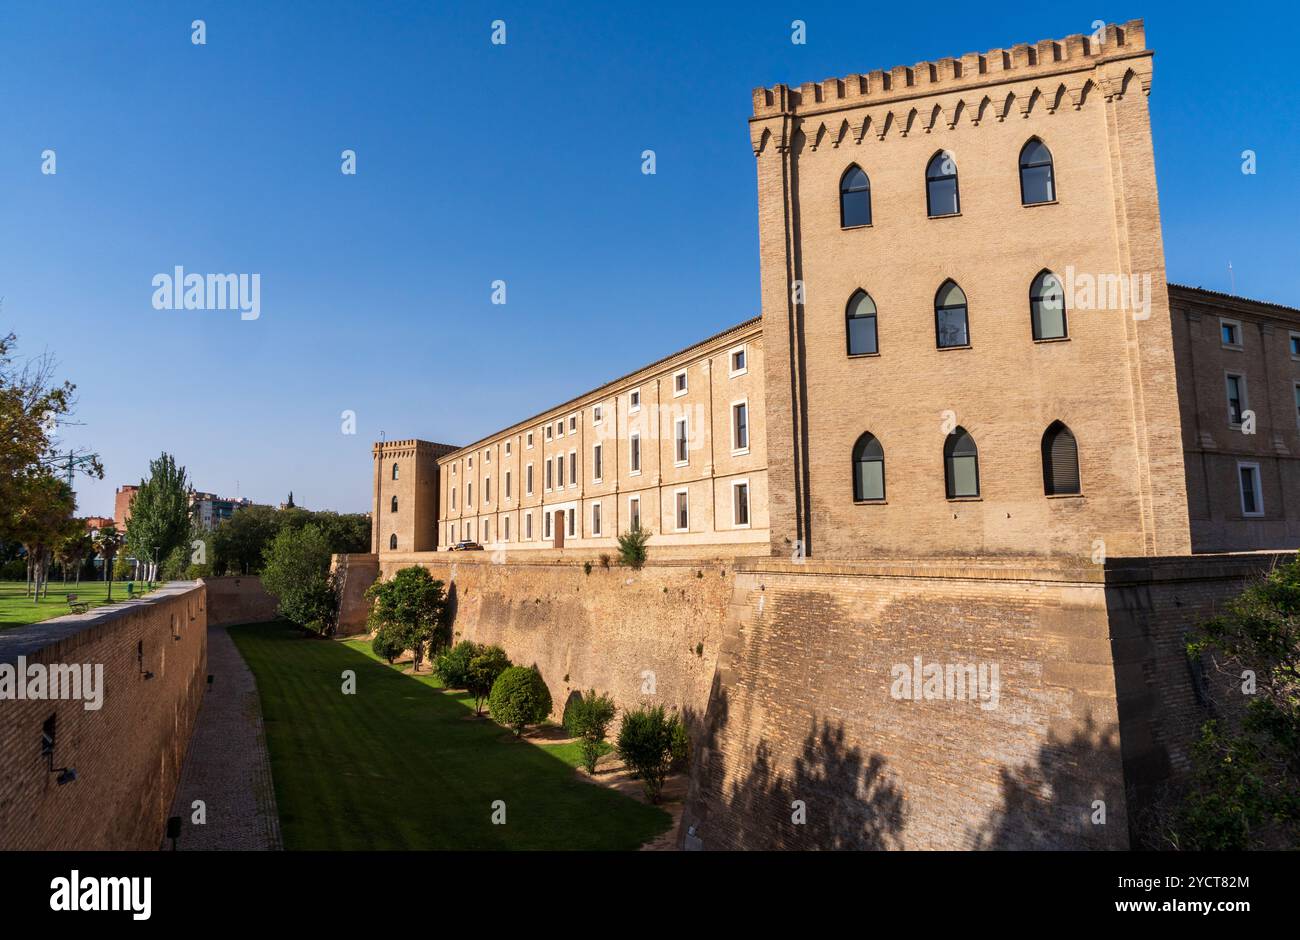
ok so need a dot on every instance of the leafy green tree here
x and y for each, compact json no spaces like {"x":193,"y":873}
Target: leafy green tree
{"x":414,"y":606}
{"x":651,"y":741}
{"x":385,"y":645}
{"x":519,"y":698}
{"x":297,"y":573}
{"x":631,"y":546}
{"x":485,"y":667}
{"x":1245,"y":782}
{"x":106,"y":547}
{"x":160,"y":514}
{"x":452,"y":666}
{"x":239,"y":543}
{"x":42,"y":521}
{"x":588,"y":718}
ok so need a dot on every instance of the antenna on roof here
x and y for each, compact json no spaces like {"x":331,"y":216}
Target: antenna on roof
{"x":1232,"y":278}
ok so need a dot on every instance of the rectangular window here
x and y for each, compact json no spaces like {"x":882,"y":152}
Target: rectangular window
{"x":740,"y":426}
{"x":1236,"y":398}
{"x":487,"y":490}
{"x":1252,"y":499}
{"x":507,"y":448}
{"x":571,"y":517}
{"x":549,"y":432}
{"x":597,"y":463}
{"x":528,"y":480}
{"x":573,"y":468}
{"x":634,"y":512}
{"x":680,"y":453}
{"x":469,"y":494}
{"x":548,"y":474}
{"x":740,"y":504}
{"x":487,"y":530}
{"x":559,"y":472}
{"x":487,"y":456}
{"x":573,"y":424}
{"x":683,"y":513}
{"x":634,"y":453}
{"x":1297,"y":404}
{"x":1294,"y":339}
{"x":1230,"y":332}
{"x":595,"y":518}
{"x":739,"y":362}
{"x":559,"y":428}
{"x":634,"y":400}
{"x":546,"y":525}
{"x":469,"y":531}
{"x":469,"y":463}
{"x":597,"y":414}
{"x":453,"y":497}
{"x":506,"y":523}
{"x":679,"y":383}
{"x":451,"y":534}
{"x":507,"y":484}
{"x":528,"y":526}
{"x":528,"y":440}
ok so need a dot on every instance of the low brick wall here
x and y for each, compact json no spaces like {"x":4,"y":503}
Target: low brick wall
{"x":239,"y":599}
{"x":128,"y":753}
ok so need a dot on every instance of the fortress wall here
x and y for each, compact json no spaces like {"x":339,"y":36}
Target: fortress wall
{"x":793,"y":695}
{"x":128,"y":753}
{"x":239,"y":599}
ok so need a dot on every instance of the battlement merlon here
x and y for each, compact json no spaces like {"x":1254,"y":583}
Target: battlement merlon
{"x":1045,"y":58}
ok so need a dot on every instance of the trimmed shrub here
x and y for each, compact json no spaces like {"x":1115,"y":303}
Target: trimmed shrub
{"x":386,"y":645}
{"x":484,"y":669}
{"x":519,"y":698}
{"x":652,"y":742}
{"x":587,"y":718}
{"x":452,"y":666}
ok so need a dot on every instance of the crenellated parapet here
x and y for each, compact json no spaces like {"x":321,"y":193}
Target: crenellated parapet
{"x":993,"y":86}
{"x":409,"y":448}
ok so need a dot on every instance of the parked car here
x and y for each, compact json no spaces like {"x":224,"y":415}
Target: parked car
{"x":465,"y":545}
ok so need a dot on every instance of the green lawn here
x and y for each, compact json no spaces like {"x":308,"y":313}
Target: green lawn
{"x":16,"y":609}
{"x":402,"y":765}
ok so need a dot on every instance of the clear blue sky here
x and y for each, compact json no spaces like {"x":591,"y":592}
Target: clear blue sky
{"x":477,"y":162}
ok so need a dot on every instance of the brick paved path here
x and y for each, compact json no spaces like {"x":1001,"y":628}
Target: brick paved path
{"x":227,"y":765}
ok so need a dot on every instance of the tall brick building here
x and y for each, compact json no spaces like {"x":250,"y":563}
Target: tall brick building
{"x":967,"y":347}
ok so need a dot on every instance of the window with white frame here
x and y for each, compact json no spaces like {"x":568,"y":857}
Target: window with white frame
{"x":597,"y":414}
{"x":451,"y":533}
{"x":546,"y":525}
{"x":469,"y":530}
{"x":679,"y":383}
{"x":528,"y":526}
{"x":507,"y":492}
{"x":487,"y":530}
{"x":550,"y":433}
{"x":634,"y":454}
{"x":559,"y":472}
{"x":1252,"y":497}
{"x":487,"y":455}
{"x":1294,"y":340}
{"x":487,"y":490}
{"x":548,"y":475}
{"x":469,"y":494}
{"x":453,"y":497}
{"x":573,"y":424}
{"x":740,"y":427}
{"x":634,"y":512}
{"x":597,"y":463}
{"x":740,"y":504}
{"x":738,"y":361}
{"x":573,"y":468}
{"x":1230,"y":333}
{"x":469,"y":463}
{"x":506,"y":523}
{"x":528,"y":479}
{"x":571,"y":517}
{"x":595,"y":519}
{"x":634,"y":400}
{"x":559,"y":428}
{"x":682,"y":510}
{"x":681,"y":434}
{"x":528,"y":440}
{"x":1237,"y":403}
{"x":508,"y":448}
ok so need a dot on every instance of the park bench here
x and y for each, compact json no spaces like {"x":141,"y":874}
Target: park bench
{"x":76,"y":605}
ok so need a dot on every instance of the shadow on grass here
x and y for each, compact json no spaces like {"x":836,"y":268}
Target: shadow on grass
{"x":394,"y":766}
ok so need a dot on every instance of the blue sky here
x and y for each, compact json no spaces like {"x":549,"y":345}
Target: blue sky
{"x":475,"y":163}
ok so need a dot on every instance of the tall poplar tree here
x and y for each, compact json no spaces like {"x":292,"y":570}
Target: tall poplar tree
{"x":160,"y":513}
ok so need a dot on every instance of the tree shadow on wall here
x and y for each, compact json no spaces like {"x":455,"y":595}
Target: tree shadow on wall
{"x":1050,"y":803}
{"x":833,"y":796}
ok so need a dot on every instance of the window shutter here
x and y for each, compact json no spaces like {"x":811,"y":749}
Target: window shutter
{"x":1064,"y":461}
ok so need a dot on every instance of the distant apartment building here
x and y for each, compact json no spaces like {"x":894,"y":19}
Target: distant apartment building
{"x":968,"y":347}
{"x":210,"y":510}
{"x":122,"y":505}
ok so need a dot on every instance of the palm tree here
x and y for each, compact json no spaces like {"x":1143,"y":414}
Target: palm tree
{"x":106,"y":547}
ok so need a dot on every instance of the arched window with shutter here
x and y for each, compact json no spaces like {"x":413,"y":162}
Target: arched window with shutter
{"x":855,"y":198}
{"x":1060,"y":461}
{"x":961,"y":464}
{"x":868,"y":469}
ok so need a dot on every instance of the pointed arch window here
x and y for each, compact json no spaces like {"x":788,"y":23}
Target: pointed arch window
{"x":392,"y":541}
{"x":1060,"y":461}
{"x":394,"y":471}
{"x":860,"y":324}
{"x":855,"y":198}
{"x":1037,"y":175}
{"x":961,"y":465}
{"x":1047,"y":306}
{"x":950,"y":317}
{"x":394,"y":506}
{"x":941,"y":197}
{"x":868,"y":469}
